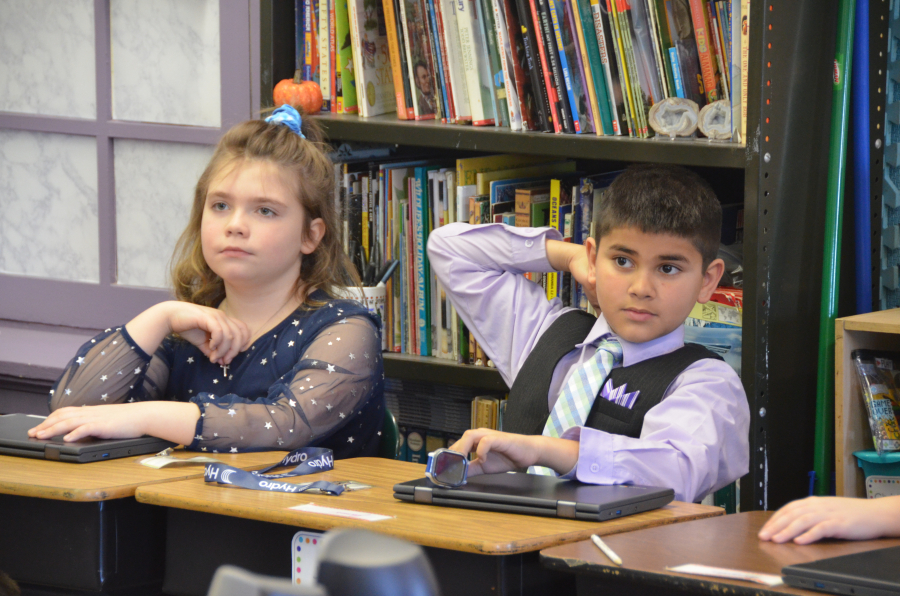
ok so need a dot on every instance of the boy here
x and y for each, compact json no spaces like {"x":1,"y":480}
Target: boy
{"x":652,"y":258}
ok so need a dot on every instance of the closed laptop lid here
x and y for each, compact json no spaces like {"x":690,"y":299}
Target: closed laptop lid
{"x":561,"y":498}
{"x":14,"y":440}
{"x":870,"y":572}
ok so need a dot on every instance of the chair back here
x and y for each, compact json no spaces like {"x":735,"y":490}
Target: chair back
{"x":389,"y":447}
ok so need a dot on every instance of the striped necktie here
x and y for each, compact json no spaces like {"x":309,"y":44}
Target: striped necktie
{"x":574,"y":404}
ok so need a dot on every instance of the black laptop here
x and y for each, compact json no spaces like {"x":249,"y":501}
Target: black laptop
{"x":14,"y":440}
{"x":532,"y":494}
{"x":870,"y":573}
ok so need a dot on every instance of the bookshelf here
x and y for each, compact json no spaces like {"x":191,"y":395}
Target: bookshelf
{"x":780,"y":177}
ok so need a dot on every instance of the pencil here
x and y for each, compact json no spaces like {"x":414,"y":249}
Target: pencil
{"x":606,"y":550}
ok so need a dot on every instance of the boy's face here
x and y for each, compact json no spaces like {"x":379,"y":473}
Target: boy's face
{"x":647,"y":284}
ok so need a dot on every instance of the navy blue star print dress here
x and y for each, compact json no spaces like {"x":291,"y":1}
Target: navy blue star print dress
{"x":315,"y":379}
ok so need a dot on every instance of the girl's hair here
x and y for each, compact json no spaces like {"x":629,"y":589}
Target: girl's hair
{"x":307,"y":166}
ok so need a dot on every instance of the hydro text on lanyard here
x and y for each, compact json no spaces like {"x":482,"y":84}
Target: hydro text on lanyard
{"x":311,"y":460}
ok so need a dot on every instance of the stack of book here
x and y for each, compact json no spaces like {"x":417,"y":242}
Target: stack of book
{"x":390,"y":207}
{"x":564,"y":66}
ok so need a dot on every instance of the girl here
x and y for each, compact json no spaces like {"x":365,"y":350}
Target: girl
{"x":256,"y":353}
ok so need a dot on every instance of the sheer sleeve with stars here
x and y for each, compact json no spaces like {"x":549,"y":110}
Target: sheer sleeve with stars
{"x":106,"y":370}
{"x":332,"y":388}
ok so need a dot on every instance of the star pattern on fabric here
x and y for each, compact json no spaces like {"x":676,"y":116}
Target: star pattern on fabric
{"x":79,"y":360}
{"x":234,"y":450}
{"x":190,"y":360}
{"x":330,"y":368}
{"x":349,"y":439}
{"x":104,"y":396}
{"x":103,"y":378}
{"x":295,"y":322}
{"x":342,"y":415}
{"x":215,"y":381}
{"x":198,"y":438}
{"x":291,"y":344}
{"x":328,"y":407}
{"x":352,"y":357}
{"x":313,"y":402}
{"x":292,"y":403}
{"x":263,"y":361}
{"x":231,"y":412}
{"x":68,"y":392}
{"x":268,"y":425}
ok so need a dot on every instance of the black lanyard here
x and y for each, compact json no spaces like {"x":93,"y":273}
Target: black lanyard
{"x":311,"y":460}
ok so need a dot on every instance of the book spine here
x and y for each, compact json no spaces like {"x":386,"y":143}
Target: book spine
{"x":642,"y":46}
{"x":506,"y":62}
{"x":458,"y":87}
{"x":470,"y":60}
{"x":333,"y":57}
{"x":307,"y":41}
{"x":443,"y":51}
{"x":624,"y":76}
{"x":437,"y":60}
{"x":676,"y":72}
{"x":324,"y":56}
{"x":717,"y":50}
{"x":610,"y":68}
{"x":552,"y":53}
{"x":635,"y":94}
{"x":658,"y":10}
{"x":659,"y":52}
{"x":520,"y":65}
{"x":490,"y":70}
{"x":587,"y":41}
{"x":736,"y":70}
{"x":553,"y":96}
{"x":356,"y":50}
{"x":390,"y":23}
{"x":744,"y":29}
{"x":345,"y":53}
{"x":587,"y":97}
{"x":707,"y":64}
{"x":552,"y":277}
{"x":536,"y":73}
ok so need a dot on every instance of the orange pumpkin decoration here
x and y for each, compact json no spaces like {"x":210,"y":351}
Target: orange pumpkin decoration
{"x":295,"y":92}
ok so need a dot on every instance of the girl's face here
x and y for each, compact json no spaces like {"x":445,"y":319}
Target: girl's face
{"x":252,"y":230}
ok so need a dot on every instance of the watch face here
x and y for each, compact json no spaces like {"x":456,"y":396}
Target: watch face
{"x":447,"y":468}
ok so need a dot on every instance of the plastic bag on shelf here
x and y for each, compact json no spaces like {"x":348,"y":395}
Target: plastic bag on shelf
{"x":880,"y":396}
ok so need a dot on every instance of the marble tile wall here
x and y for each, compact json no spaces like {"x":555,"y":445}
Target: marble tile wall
{"x":154,"y":192}
{"x":47,"y":63}
{"x":165,"y":56}
{"x":48,"y":206}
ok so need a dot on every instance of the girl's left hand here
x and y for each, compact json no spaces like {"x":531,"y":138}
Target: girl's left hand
{"x":114,"y":421}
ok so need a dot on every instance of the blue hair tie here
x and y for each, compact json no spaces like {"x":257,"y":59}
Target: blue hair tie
{"x":287,"y":116}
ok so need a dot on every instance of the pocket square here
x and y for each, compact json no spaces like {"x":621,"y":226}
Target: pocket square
{"x":619,"y":395}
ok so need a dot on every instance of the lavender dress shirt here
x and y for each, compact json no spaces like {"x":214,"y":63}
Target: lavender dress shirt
{"x":694,"y":441}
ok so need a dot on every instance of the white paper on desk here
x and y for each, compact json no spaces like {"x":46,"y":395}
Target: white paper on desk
{"x":163,"y":461}
{"x":361,"y":515}
{"x":766,"y":579}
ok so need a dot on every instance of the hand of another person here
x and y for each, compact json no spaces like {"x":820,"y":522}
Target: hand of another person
{"x":113,"y":421}
{"x":501,"y":452}
{"x":815,"y":518}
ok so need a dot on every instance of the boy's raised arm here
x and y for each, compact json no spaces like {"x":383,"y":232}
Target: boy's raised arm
{"x":480,"y":268}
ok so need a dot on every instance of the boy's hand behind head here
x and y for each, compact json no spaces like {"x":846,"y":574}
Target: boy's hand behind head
{"x":648,"y":283}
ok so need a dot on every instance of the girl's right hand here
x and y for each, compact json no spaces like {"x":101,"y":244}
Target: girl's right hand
{"x":217,"y":335}
{"x":815,"y":518}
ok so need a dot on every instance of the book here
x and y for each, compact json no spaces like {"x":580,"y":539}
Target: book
{"x":469,"y":167}
{"x":745,"y":57}
{"x":551,"y":49}
{"x":443,"y":50}
{"x":716,"y":52}
{"x":639,"y":94}
{"x":661,"y":27}
{"x":526,"y":198}
{"x":504,"y":191}
{"x":676,"y":73}
{"x":569,"y":46}
{"x":473,"y":64}
{"x":645,"y":52}
{"x":458,"y":85}
{"x":333,"y":58}
{"x":530,"y":62}
{"x":374,"y":79}
{"x":347,"y":103}
{"x":441,"y":83}
{"x":704,"y":50}
{"x":420,"y":68}
{"x":624,"y":70}
{"x":593,"y":66}
{"x":324,"y":55}
{"x":483,"y":179}
{"x":488,"y":40}
{"x":600,"y":15}
{"x":507,"y":63}
{"x":736,"y":70}
{"x":390,"y":23}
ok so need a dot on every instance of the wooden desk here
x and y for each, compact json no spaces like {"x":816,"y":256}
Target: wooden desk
{"x":77,"y":527}
{"x":728,"y":541}
{"x":210,"y":525}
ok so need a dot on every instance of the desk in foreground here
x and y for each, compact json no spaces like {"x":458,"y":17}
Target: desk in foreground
{"x":210,"y":525}
{"x":728,"y":541}
{"x":77,"y":527}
